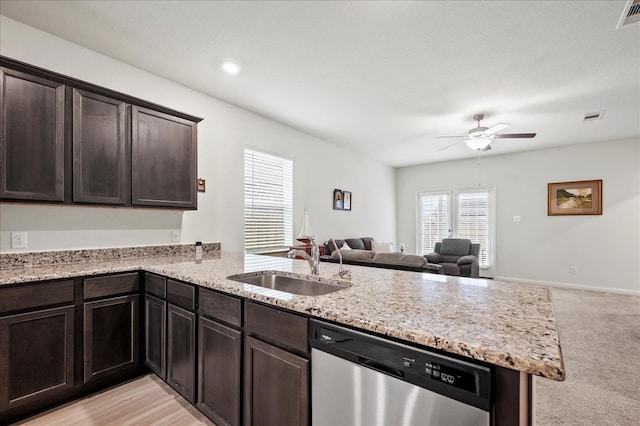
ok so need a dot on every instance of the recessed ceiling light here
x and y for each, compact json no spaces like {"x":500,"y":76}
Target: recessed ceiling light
{"x":230,"y":68}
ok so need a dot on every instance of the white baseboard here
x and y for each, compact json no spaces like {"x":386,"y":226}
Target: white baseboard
{"x":571,"y":286}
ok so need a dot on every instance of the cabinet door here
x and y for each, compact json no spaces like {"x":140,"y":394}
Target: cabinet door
{"x":31,"y":137}
{"x":110,"y":336}
{"x":36,"y":355}
{"x":276,"y":386}
{"x":181,"y":363}
{"x":219,"y":372}
{"x":99,"y":149}
{"x":163,"y":159}
{"x":155,"y":328}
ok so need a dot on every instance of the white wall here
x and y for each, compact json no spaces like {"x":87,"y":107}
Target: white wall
{"x":541,"y":248}
{"x":319,"y":167}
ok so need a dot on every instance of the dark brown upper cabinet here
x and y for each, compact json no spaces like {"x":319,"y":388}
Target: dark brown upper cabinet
{"x":32,"y":137}
{"x":163,"y":159}
{"x":99,"y":149}
{"x":66,"y":140}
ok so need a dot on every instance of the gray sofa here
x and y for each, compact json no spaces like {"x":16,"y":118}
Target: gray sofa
{"x":457,"y":256}
{"x":361,"y":254}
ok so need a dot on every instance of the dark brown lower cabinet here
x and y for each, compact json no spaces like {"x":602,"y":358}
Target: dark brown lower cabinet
{"x":181,"y":348}
{"x":220,"y":372}
{"x":155,"y":331}
{"x":110,"y":336}
{"x":276,"y":386}
{"x":36,"y":356}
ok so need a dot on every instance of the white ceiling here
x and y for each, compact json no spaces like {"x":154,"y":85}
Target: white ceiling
{"x":383,"y":78}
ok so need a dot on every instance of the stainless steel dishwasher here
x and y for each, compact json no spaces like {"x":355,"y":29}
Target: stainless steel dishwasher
{"x":360,"y":379}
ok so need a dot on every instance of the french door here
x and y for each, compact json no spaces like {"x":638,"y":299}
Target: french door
{"x":459,"y":213}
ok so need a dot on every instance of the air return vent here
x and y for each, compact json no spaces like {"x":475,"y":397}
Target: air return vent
{"x":593,"y":116}
{"x":630,"y":14}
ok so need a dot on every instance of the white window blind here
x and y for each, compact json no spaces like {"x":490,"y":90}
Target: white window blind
{"x":434,"y":219}
{"x":268,"y":201}
{"x":473,"y":221}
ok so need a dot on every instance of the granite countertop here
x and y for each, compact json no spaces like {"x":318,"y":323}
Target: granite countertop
{"x":506,"y":324}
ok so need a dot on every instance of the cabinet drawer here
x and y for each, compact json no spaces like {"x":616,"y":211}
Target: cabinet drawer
{"x":35,"y":295}
{"x":219,"y":306}
{"x":156,"y":285}
{"x":180,"y":294}
{"x":110,"y":285}
{"x":276,"y":326}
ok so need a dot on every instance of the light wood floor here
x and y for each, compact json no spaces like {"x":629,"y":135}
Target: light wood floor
{"x":144,"y":401}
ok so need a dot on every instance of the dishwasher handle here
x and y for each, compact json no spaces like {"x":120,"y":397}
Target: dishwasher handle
{"x":380,"y":367}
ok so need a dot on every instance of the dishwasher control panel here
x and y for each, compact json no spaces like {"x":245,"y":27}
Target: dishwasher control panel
{"x":460,"y":379}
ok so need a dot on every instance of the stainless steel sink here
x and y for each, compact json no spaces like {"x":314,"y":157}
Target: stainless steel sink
{"x":288,"y":283}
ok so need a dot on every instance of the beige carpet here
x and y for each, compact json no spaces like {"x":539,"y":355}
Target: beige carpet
{"x":600,"y":339}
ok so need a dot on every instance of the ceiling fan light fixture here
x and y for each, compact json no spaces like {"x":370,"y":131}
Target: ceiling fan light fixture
{"x":477,"y":132}
{"x":478,"y":144}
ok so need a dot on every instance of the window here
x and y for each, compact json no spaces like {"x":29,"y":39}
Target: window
{"x":434,"y":217}
{"x":473,"y":221}
{"x":268,"y":202}
{"x":469,"y":218}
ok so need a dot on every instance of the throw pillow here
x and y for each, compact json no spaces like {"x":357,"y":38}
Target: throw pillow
{"x":355,"y":243}
{"x":345,"y":246}
{"x":377,"y":247}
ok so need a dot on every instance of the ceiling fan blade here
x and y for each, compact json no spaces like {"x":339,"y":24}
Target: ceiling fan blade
{"x":496,"y":128}
{"x":446,"y":137}
{"x":514,"y":135}
{"x":486,"y":148}
{"x":449,"y":146}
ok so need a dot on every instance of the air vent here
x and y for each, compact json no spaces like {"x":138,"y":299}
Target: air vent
{"x":593,"y":116}
{"x":630,"y":14}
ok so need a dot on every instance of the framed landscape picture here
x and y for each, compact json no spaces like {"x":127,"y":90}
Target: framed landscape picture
{"x":575,"y":198}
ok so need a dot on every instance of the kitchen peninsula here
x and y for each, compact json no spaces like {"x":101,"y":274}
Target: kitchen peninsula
{"x":510,"y":326}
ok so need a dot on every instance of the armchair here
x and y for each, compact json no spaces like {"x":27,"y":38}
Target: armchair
{"x":457,"y":256}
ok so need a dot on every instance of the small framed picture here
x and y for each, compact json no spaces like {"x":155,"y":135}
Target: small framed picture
{"x":575,"y":198}
{"x":346,"y":202}
{"x":338,"y":201}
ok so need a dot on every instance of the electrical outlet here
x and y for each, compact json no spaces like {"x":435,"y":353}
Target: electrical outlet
{"x":175,"y":236}
{"x":18,"y":240}
{"x":516,"y":219}
{"x":573,"y":270}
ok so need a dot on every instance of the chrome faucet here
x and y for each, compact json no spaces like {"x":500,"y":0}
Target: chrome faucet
{"x":313,"y":260}
{"x":341,"y":272}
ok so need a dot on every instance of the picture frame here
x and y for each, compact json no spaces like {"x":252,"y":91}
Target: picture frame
{"x":583,"y":197}
{"x":338,"y":199}
{"x":346,"y":200}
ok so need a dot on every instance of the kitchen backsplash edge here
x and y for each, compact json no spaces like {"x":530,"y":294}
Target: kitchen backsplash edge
{"x":16,"y":260}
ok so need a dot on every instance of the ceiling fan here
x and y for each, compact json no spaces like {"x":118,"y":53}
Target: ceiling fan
{"x":479,"y":138}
